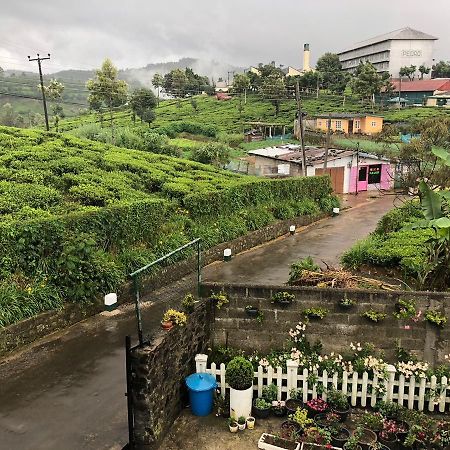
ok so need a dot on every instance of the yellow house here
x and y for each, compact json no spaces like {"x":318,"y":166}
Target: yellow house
{"x":350,"y":123}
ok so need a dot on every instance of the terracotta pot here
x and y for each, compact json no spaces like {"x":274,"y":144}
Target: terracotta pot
{"x":167,"y":325}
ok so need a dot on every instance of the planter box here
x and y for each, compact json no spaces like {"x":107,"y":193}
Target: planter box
{"x":266,"y":446}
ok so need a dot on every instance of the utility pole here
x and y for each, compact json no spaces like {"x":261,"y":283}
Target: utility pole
{"x":39,"y":59}
{"x":399,"y":92}
{"x":327,"y":143}
{"x":300,"y":123}
{"x":357,"y":168}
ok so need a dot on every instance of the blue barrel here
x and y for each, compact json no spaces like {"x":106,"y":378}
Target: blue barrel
{"x":201,"y":393}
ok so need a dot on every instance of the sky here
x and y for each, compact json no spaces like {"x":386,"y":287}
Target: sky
{"x":79,"y":34}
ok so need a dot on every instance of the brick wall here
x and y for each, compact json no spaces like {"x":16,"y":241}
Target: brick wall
{"x":159,"y":369}
{"x":340,"y":327}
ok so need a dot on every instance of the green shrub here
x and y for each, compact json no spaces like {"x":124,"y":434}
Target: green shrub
{"x":239,"y":373}
{"x":395,"y":219}
{"x":298,"y":267}
{"x":214,"y":153}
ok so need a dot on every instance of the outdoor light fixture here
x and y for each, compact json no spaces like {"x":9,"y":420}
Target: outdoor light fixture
{"x":336,"y":211}
{"x":292,"y":230}
{"x":110,"y":301}
{"x":227,"y":254}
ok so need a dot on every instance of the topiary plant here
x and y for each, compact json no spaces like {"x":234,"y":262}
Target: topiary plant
{"x":239,"y":373}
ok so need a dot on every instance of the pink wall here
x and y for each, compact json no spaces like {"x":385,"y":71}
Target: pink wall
{"x":385,"y":183}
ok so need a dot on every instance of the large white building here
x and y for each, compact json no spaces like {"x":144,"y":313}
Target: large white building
{"x":389,"y":52}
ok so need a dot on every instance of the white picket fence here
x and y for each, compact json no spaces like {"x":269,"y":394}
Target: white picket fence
{"x":418,"y":394}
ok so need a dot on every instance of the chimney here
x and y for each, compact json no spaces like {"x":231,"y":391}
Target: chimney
{"x":306,"y":54}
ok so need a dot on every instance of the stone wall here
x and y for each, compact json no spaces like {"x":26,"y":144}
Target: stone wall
{"x":29,"y":330}
{"x":158,"y":372}
{"x":234,"y":328}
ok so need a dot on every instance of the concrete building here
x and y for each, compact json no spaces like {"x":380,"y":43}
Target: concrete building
{"x":350,"y":172}
{"x":350,"y":123}
{"x":417,"y":92}
{"x":389,"y":52}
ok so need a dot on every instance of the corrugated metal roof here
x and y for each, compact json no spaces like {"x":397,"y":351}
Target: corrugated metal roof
{"x":406,"y":33}
{"x":436,"y":84}
{"x":345,"y":116}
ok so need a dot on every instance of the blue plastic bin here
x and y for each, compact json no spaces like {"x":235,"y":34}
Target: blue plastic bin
{"x":201,"y":393}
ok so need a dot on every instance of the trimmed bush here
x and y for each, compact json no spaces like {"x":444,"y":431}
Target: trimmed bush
{"x":239,"y":373}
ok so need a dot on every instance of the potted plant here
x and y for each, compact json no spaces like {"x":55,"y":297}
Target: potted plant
{"x":374,"y":316}
{"x":401,"y":429}
{"x":436,"y":318}
{"x":279,"y":408}
{"x":233,"y":425}
{"x":315,"y":313}
{"x":241,"y":423}
{"x":371,"y":421}
{"x":316,"y":406}
{"x":366,"y":437}
{"x":388,"y":435}
{"x":239,"y":376}
{"x":173,"y":317}
{"x":222,"y":405}
{"x":315,"y":435}
{"x":252,"y":311}
{"x":284,"y":299}
{"x":338,"y":402}
{"x":272,"y":442}
{"x":346,"y":302}
{"x":250,"y":422}
{"x":390,"y":410}
{"x":352,"y":443}
{"x":261,"y":408}
{"x":290,"y":430}
{"x":339,"y":436}
{"x":300,"y":418}
{"x":188,"y":303}
{"x":294,"y":401}
{"x":219,"y":299}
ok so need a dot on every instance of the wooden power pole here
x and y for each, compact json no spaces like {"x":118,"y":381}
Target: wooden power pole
{"x":39,"y":59}
{"x":327,"y":142}
{"x":300,"y":124}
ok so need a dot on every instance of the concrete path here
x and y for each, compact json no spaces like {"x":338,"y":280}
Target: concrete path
{"x":67,"y":392}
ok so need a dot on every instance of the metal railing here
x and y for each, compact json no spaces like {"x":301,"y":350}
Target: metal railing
{"x":136,"y":277}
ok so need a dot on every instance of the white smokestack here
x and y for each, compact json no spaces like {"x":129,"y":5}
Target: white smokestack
{"x":306,"y":55}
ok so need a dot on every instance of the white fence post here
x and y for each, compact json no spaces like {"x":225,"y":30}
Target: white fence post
{"x":390,"y":383}
{"x":292,"y":369}
{"x":201,"y":362}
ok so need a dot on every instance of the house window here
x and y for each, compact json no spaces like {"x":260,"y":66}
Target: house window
{"x":362,"y":174}
{"x":357,"y":124}
{"x":319,"y":123}
{"x":338,"y":124}
{"x":374,"y":124}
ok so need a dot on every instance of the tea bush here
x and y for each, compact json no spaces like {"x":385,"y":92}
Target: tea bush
{"x":84,"y":214}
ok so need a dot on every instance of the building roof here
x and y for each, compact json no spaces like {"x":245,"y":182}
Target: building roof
{"x":345,"y":116}
{"x":406,"y":33}
{"x":436,"y":84}
{"x":314,"y":155}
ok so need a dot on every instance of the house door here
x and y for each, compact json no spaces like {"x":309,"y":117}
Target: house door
{"x":350,"y":126}
{"x":362,"y":179}
{"x":337,"y":178}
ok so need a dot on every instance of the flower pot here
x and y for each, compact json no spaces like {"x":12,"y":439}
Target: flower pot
{"x":259,"y":412}
{"x":250,"y":423}
{"x":401,"y":435}
{"x":289,"y":429}
{"x":252,"y":312}
{"x":367,"y":439}
{"x":389,"y":443}
{"x":343,"y":414}
{"x":312,"y":413}
{"x":233,"y":428}
{"x":284,"y":303}
{"x":241,"y":426}
{"x":279,"y":411}
{"x":241,"y":402}
{"x":167,"y":325}
{"x":292,"y":404}
{"x":338,"y":440}
{"x":271,"y":442}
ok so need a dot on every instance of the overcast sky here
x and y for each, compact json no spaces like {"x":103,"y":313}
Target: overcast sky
{"x":80,"y":34}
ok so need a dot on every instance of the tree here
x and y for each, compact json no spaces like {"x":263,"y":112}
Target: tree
{"x":241,"y":82}
{"x":423,"y":71}
{"x":7,"y":115}
{"x":441,"y":70}
{"x":274,"y":90}
{"x":408,"y":71}
{"x":332,"y":75}
{"x":106,"y":90}
{"x":2,"y":72}
{"x":175,"y":82}
{"x":158,"y":82}
{"x":214,"y":153}
{"x":54,"y":92}
{"x":368,"y":83}
{"x":143,"y":102}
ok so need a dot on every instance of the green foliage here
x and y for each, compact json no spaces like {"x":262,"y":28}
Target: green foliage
{"x":397,"y":218}
{"x":374,"y":316}
{"x":298,"y":267}
{"x":188,"y":303}
{"x":337,"y":400}
{"x":315,"y":313}
{"x":270,"y":392}
{"x":262,"y":403}
{"x":239,"y":373}
{"x":406,"y":309}
{"x":435,"y":317}
{"x":213,"y":153}
{"x":283,"y":297}
{"x":219,"y":299}
{"x":331,"y":75}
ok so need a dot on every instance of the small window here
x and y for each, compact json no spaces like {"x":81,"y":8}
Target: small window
{"x":357,"y":124}
{"x":374,"y":124}
{"x":338,"y":124}
{"x":374,"y":174}
{"x":362,"y":175}
{"x":319,"y":123}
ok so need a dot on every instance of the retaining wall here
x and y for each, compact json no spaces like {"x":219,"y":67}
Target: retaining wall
{"x":234,"y":328}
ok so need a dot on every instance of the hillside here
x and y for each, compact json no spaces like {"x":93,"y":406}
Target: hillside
{"x":77,"y":216}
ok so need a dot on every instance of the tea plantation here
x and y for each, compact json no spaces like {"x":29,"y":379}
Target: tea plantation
{"x":76,"y":216}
